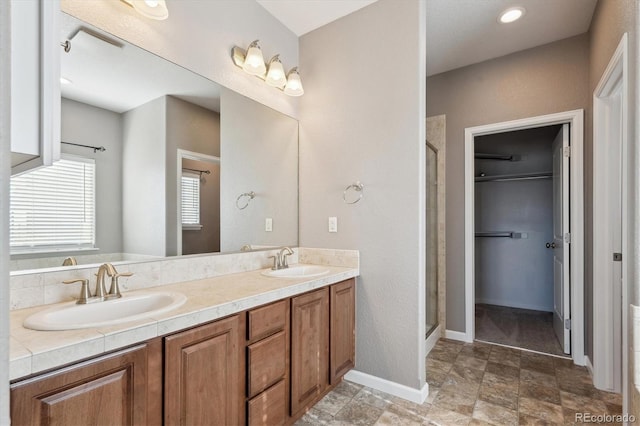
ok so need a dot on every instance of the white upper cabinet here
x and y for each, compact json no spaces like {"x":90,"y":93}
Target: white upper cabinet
{"x":35,"y":84}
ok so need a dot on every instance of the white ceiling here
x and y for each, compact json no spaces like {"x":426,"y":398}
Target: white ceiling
{"x":465,"y":32}
{"x":459,"y":32}
{"x":302,"y":16}
{"x":109,"y":76}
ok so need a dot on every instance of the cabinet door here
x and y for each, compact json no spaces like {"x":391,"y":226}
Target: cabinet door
{"x":309,"y":347}
{"x":343,"y":329}
{"x":117,"y":389}
{"x":204,"y":375}
{"x":35,"y":84}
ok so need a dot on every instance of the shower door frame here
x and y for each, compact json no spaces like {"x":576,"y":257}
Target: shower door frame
{"x":575,"y":119}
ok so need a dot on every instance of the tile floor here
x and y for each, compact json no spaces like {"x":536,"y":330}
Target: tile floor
{"x":475,"y":384}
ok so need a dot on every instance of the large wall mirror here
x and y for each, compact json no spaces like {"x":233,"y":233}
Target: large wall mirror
{"x":157,"y":161}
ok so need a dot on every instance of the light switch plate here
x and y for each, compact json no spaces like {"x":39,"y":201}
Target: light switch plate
{"x":333,"y":224}
{"x":268,"y":224}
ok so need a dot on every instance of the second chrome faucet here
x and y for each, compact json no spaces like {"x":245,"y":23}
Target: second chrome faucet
{"x":280,"y":259}
{"x":100,"y":293}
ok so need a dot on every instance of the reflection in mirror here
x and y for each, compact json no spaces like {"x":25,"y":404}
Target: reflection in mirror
{"x":173,"y":164}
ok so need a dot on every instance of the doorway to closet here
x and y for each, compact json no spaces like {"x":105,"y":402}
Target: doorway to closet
{"x":518,"y":216}
{"x":524,"y":243}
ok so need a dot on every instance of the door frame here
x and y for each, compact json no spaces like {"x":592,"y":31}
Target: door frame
{"x":603,"y":361}
{"x":183,"y":154}
{"x":575,"y":119}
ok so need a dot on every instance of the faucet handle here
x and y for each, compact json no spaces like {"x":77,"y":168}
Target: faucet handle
{"x":276,"y":261}
{"x":84,"y":290}
{"x":114,"y":290}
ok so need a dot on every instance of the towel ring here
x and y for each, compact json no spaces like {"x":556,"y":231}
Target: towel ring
{"x":358,"y":187}
{"x":249,"y":195}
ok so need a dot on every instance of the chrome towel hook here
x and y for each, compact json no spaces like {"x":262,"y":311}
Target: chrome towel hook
{"x":356,"y":188}
{"x":248,"y":195}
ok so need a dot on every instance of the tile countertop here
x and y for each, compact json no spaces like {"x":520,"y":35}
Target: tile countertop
{"x":208,"y":299}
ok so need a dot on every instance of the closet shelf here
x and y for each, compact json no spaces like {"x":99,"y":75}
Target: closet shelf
{"x":500,"y":157}
{"x":516,"y":176}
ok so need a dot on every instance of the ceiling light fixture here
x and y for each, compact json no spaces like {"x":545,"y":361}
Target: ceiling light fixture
{"x":252,"y":62}
{"x":64,"y":80}
{"x":512,"y":14}
{"x":152,"y":9}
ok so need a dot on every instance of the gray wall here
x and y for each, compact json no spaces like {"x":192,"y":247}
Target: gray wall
{"x":192,"y":128}
{"x":543,"y":80}
{"x":143,"y":179}
{"x":207,"y":239}
{"x":363,"y":118}
{"x":515,"y":272}
{"x":259,"y":152}
{"x":86,"y":124}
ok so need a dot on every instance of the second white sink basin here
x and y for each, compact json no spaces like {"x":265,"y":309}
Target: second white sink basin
{"x":130,"y":307}
{"x":299,"y":271}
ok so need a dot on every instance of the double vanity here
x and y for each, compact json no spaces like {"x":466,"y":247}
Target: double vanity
{"x":257,"y":347}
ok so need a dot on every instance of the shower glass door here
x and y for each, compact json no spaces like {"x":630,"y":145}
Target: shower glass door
{"x":432,"y":241}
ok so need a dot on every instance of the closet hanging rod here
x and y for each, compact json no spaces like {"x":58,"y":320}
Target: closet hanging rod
{"x":517,"y":176}
{"x":206,"y":172}
{"x":501,"y":157}
{"x":502,"y":234}
{"x":94,"y":148}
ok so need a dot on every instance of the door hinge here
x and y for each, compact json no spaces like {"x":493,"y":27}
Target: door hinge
{"x":566,"y":151}
{"x":617,"y":257}
{"x":567,"y":324}
{"x":567,"y":238}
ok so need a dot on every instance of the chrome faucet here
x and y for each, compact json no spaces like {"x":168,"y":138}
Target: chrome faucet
{"x":105,"y":268}
{"x":70,"y":261}
{"x":280,"y":259}
{"x":101,"y":292}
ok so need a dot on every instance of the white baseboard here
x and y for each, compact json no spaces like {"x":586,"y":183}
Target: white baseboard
{"x":458,"y":335}
{"x":514,"y":305}
{"x":392,"y":388}
{"x":587,"y":363}
{"x":431,"y":341}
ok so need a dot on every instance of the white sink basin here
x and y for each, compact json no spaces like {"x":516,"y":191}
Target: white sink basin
{"x":130,"y":307}
{"x":300,"y":271}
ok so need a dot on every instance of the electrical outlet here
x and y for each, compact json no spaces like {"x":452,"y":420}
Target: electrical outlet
{"x":268,"y":224}
{"x":333,"y":224}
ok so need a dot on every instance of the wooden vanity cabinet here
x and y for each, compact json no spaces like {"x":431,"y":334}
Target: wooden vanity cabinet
{"x":268,"y":364}
{"x":204,"y":374}
{"x":122,"y":388}
{"x":309,"y":348}
{"x":343,"y":329}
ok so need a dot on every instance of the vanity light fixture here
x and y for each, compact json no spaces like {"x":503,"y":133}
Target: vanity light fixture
{"x":512,"y":14}
{"x":275,"y":73}
{"x":152,"y":9}
{"x":294,"y":84}
{"x":252,"y":62}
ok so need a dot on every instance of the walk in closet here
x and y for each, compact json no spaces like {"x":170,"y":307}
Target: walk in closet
{"x":513,"y":235}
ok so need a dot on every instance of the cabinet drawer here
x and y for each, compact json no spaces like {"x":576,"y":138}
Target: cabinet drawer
{"x":266,"y":320}
{"x":267,"y":362}
{"x":268,"y":408}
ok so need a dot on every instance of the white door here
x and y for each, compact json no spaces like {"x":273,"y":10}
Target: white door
{"x":560,"y":244}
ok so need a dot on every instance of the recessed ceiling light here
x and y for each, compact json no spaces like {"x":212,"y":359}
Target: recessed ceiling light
{"x":65,"y":80}
{"x":512,"y":14}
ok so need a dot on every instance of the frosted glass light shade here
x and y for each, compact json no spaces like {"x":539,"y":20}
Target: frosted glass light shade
{"x":253,"y":60}
{"x":152,"y":9}
{"x":275,"y":74}
{"x":294,"y":84}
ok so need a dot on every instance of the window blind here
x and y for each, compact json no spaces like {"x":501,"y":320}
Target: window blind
{"x":190,"y":199}
{"x":53,"y":208}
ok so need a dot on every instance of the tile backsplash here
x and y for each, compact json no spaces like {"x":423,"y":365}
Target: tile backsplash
{"x":33,"y":288}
